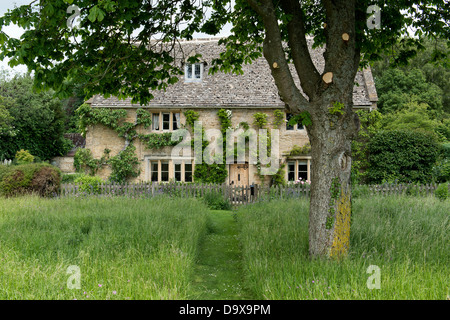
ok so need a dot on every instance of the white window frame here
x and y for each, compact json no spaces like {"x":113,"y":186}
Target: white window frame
{"x":172,"y":119}
{"x":193,"y":78}
{"x":296,"y":172}
{"x":295,"y":127}
{"x":150,"y":160}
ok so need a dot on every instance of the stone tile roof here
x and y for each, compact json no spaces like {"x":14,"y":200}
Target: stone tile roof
{"x":254,"y":89}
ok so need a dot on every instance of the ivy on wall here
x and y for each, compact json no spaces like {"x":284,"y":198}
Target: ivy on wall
{"x":157,"y":140}
{"x":278,"y":118}
{"x":125,"y":164}
{"x":215,"y":172}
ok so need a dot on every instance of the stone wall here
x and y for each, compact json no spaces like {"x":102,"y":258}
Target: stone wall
{"x":65,"y":164}
{"x":100,"y":137}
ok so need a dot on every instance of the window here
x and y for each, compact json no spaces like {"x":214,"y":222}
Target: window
{"x":299,"y":169}
{"x":166,"y":121}
{"x":197,"y":73}
{"x":298,"y":126}
{"x":288,"y":117}
{"x":183,"y":171}
{"x":291,"y":171}
{"x":155,"y":121}
{"x":188,"y":172}
{"x":189,"y":71}
{"x":164,"y":170}
{"x":303,"y":170}
{"x":154,"y":170}
{"x":193,"y":72}
{"x":176,"y":121}
{"x":177,"y":171}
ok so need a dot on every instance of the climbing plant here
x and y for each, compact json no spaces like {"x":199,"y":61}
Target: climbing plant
{"x":125,"y":164}
{"x":260,"y":119}
{"x":83,"y":161}
{"x":278,"y":118}
{"x":215,"y":172}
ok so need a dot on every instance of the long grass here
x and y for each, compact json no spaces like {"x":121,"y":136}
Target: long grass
{"x":407,"y":238}
{"x":124,"y":248}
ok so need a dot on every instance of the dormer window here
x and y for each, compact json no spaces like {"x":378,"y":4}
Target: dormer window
{"x":193,"y":72}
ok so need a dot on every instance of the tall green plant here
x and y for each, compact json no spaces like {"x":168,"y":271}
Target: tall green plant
{"x":405,"y":156}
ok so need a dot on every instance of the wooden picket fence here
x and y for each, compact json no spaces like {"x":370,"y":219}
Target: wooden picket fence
{"x":387,"y":189}
{"x":236,"y":194}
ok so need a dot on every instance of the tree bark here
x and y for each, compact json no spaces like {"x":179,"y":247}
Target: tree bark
{"x":330,"y":105}
{"x":330,"y":205}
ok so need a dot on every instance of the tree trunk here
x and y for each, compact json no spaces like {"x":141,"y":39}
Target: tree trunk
{"x":330,"y":207}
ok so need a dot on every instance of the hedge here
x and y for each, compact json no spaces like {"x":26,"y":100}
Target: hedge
{"x":34,"y":178}
{"x":405,"y":156}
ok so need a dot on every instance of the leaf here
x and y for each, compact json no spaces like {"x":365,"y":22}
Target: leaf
{"x":96,"y":14}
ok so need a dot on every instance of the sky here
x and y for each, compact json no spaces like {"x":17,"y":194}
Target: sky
{"x":12,"y":31}
{"x":16,"y":32}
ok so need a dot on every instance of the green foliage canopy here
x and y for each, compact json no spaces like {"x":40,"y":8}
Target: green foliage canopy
{"x":405,"y":156}
{"x":36,"y":119}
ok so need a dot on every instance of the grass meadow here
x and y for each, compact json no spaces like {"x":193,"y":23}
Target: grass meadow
{"x":124,"y":248}
{"x":171,"y":248}
{"x":406,"y":238}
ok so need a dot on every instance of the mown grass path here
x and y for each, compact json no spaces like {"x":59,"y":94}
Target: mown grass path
{"x":218,"y":273}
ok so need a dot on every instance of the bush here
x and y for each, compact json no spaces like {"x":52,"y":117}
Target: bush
{"x":215,"y":201}
{"x":89,"y":184}
{"x":37,"y":118}
{"x":23,"y":157}
{"x":38,"y":178}
{"x":210,"y":173}
{"x":70,"y":177}
{"x":441,"y":171}
{"x":442,"y":192}
{"x":406,"y":156}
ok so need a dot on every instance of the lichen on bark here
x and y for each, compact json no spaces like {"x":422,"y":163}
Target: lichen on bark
{"x":341,"y":233}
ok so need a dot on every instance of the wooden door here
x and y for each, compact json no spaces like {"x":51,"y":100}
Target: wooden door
{"x":238,"y":174}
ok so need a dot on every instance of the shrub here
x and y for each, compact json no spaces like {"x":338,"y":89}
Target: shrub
{"x":445,"y":150}
{"x":124,"y":165}
{"x":260,"y":119}
{"x":441,"y":171}
{"x":297,"y":150}
{"x":84,"y":161}
{"x":215,"y":201}
{"x":214,"y":173}
{"x":39,"y":178}
{"x":407,"y":156}
{"x":23,"y":156}
{"x":70,"y":177}
{"x":37,"y":118}
{"x":46,"y":181}
{"x":442,"y":192}
{"x":89,"y":184}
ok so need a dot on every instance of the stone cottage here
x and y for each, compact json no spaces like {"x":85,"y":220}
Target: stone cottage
{"x":247,"y":94}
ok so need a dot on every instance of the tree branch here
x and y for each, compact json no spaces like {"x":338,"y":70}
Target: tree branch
{"x":306,"y":70}
{"x":276,"y":57}
{"x":341,"y":57}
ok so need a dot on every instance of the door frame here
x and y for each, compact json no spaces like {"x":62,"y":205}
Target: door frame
{"x":237,"y":166}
